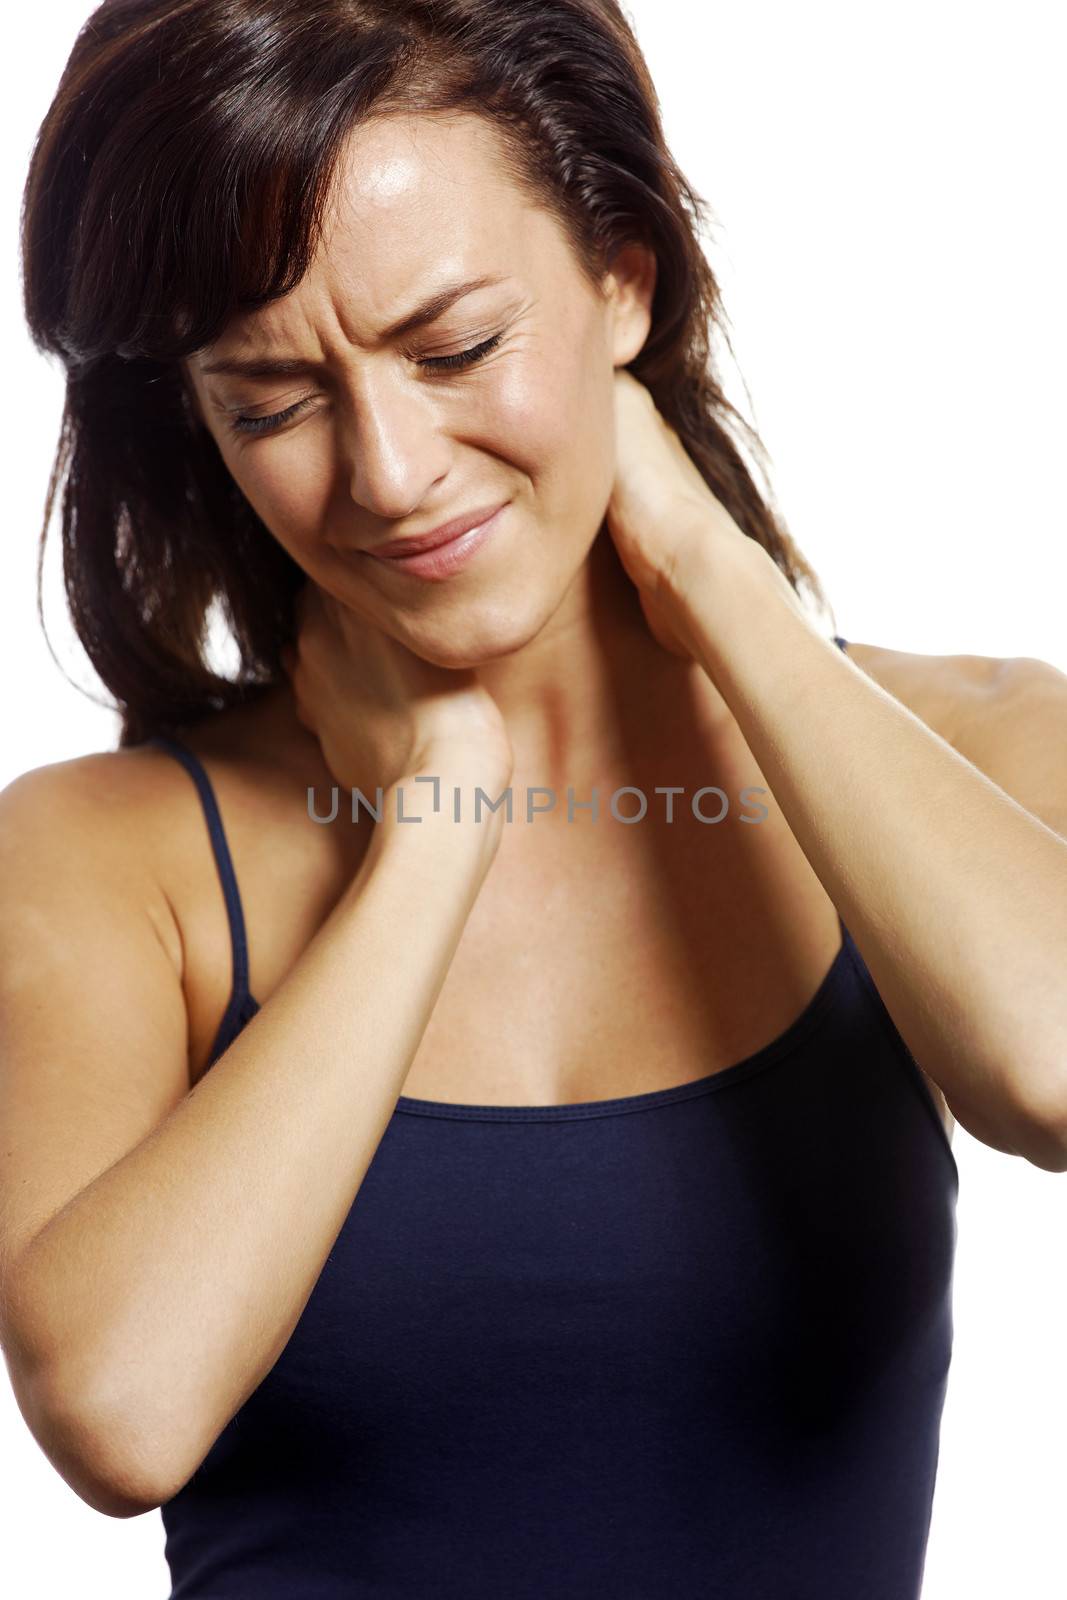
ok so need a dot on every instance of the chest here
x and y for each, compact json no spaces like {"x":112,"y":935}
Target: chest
{"x":634,"y":964}
{"x":599,"y":960}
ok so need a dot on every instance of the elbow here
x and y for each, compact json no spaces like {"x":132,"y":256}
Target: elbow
{"x":1030,"y":1119}
{"x":1044,"y":1144}
{"x":1051,"y":1155}
{"x":1047,"y":1150}
{"x":98,"y":1454}
{"x":117,"y":1454}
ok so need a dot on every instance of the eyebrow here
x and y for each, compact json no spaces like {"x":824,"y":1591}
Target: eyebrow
{"x":428,"y":311}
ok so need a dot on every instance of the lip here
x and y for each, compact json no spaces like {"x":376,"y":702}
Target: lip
{"x":445,"y":560}
{"x":444,"y":534}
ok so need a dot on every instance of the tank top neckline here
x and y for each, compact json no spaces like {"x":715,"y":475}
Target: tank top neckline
{"x":790,"y":1039}
{"x":793,"y":1036}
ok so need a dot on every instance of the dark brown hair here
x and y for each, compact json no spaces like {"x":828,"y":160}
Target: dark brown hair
{"x":180,"y":177}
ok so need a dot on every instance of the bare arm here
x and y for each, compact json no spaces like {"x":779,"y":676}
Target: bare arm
{"x":140,"y":1317}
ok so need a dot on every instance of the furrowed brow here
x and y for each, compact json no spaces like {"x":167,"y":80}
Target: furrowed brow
{"x":428,"y":311}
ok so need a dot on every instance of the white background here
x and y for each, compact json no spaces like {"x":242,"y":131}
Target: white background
{"x":887,"y":183}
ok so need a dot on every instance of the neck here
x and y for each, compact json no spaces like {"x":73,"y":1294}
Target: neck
{"x":594,"y":696}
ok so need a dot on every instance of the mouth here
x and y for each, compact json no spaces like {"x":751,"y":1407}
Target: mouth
{"x":446,"y":557}
{"x":444,"y":534}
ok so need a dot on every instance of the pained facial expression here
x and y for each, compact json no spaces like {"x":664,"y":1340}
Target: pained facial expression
{"x":383,"y":441}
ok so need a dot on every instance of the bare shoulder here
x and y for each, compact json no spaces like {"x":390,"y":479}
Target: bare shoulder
{"x":134,"y":819}
{"x":1007,"y":715}
{"x":134,"y":811}
{"x":88,"y":807}
{"x":947,"y":692}
{"x":100,"y":817}
{"x":126,"y":818}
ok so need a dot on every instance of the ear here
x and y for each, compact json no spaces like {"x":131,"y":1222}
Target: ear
{"x":629,"y":287}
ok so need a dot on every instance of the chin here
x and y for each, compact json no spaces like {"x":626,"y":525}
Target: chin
{"x":462,"y":642}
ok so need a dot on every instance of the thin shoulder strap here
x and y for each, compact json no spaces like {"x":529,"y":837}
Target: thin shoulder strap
{"x":223,"y":861}
{"x":842,"y":642}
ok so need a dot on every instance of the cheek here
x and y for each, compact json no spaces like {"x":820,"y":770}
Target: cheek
{"x":287,"y":483}
{"x":552,"y":415}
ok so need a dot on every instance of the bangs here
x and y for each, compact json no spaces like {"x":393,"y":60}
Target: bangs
{"x":204,"y":200}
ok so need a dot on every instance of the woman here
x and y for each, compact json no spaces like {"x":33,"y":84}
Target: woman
{"x":529,"y":1206}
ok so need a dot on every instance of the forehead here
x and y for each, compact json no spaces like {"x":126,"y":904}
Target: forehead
{"x":399,"y":175}
{"x":417,"y":201}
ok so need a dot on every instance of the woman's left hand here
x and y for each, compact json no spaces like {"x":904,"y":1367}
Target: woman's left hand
{"x":661,"y":512}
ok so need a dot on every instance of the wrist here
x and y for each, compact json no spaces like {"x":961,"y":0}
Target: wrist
{"x":439,"y":809}
{"x":712,"y":583}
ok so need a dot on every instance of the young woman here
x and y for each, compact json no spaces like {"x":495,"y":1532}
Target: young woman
{"x":463,"y":1202}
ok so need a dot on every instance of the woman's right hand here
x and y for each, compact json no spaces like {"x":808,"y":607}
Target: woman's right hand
{"x":381,"y":713}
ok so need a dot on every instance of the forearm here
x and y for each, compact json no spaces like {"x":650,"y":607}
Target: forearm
{"x":955,"y":895}
{"x":158,"y":1299}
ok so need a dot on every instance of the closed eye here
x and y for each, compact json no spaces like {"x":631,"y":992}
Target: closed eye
{"x":462,"y":358}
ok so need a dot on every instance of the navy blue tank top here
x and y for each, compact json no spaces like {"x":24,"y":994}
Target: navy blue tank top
{"x":675,"y":1345}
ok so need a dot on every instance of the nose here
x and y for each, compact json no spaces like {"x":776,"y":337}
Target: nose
{"x":393,"y":445}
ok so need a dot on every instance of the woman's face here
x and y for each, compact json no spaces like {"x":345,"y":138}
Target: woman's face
{"x":382,"y":441}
